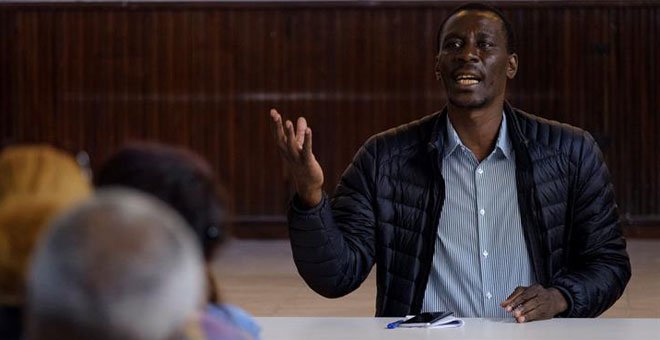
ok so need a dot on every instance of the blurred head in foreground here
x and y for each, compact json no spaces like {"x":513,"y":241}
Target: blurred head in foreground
{"x":37,"y":182}
{"x":178,"y":177}
{"x":119,"y":266}
{"x":40,"y":170}
{"x":185,"y":181}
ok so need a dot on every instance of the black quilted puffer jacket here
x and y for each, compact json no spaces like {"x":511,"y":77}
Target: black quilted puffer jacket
{"x":387,"y":205}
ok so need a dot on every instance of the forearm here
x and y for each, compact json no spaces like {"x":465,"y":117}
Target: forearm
{"x":597,"y":268}
{"x":328,"y":263}
{"x":596,"y":280}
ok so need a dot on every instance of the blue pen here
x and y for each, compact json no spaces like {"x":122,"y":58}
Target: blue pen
{"x":394,"y":324}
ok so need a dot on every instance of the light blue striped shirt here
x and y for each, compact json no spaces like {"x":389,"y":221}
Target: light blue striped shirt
{"x":480,"y":252}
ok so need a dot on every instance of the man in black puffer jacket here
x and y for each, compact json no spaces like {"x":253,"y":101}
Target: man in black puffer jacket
{"x":407,"y":203}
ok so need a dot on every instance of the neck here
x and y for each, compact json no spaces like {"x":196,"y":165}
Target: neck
{"x":477,"y":128}
{"x":212,"y":286}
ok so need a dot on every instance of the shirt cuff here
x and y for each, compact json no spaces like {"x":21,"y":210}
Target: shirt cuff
{"x":301,"y":209}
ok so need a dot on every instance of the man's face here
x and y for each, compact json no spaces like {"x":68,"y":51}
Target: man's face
{"x":473,"y":62}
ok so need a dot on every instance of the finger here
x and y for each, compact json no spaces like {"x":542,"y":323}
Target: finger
{"x":276,"y":127}
{"x":527,"y":306}
{"x":535,"y":313}
{"x":294,"y":148}
{"x":519,"y":290}
{"x":307,"y":144}
{"x":516,"y":292}
{"x":521,"y":299}
{"x":541,"y":307}
{"x":301,"y":127}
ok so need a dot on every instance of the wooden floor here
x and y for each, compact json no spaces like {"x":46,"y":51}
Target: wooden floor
{"x":260,"y":277}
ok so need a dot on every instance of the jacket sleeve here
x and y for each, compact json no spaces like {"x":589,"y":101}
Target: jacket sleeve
{"x":598,"y":267}
{"x":333,"y":243}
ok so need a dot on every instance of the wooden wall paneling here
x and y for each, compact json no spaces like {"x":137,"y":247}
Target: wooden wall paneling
{"x":7,"y":26}
{"x":203,"y":75}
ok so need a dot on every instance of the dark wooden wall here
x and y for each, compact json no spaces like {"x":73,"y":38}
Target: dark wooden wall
{"x":203,"y":75}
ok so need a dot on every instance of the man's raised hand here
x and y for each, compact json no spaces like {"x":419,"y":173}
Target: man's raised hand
{"x":295,"y":147}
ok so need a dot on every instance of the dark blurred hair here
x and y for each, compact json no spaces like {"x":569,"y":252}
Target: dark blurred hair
{"x":176,"y":176}
{"x":475,"y":6}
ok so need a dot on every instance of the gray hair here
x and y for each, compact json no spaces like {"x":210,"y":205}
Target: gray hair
{"x":121,"y":263}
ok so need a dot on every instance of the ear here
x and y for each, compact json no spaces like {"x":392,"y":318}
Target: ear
{"x":436,"y":68}
{"x":512,"y":66}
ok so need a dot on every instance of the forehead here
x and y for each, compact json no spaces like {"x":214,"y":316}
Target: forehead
{"x":474,"y":21}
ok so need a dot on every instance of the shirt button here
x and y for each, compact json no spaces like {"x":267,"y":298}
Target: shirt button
{"x":482,"y":212}
{"x":480,"y":171}
{"x":485,"y":253}
{"x":489,"y":295}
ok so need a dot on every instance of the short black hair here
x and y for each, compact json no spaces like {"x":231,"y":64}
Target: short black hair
{"x":475,"y":6}
{"x":177,"y":176}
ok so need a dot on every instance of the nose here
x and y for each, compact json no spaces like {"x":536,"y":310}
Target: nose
{"x":468,"y":53}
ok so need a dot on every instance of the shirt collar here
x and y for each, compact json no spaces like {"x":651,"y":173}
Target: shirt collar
{"x":452,"y":141}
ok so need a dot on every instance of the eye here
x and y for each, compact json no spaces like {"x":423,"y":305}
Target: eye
{"x":453,"y":44}
{"x":485,"y":44}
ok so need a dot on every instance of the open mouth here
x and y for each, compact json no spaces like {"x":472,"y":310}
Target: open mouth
{"x":467,"y":79}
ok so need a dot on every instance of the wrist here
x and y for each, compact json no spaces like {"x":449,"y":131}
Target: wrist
{"x":311,"y":197}
{"x":562,"y":304}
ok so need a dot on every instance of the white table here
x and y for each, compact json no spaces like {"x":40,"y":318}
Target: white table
{"x":294,"y":328}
